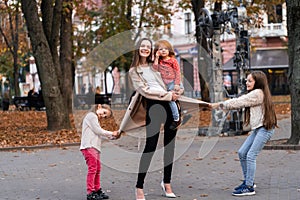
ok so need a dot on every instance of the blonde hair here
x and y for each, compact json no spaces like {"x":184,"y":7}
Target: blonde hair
{"x":107,"y":107}
{"x":166,"y":44}
{"x":94,"y":108}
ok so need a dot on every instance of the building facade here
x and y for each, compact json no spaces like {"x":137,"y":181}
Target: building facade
{"x":268,"y":49}
{"x":267,"y":45}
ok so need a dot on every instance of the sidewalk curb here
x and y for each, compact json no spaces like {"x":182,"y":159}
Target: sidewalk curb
{"x":26,"y":148}
{"x":282,"y":147}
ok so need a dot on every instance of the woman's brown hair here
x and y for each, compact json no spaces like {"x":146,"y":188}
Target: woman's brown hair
{"x":261,"y":82}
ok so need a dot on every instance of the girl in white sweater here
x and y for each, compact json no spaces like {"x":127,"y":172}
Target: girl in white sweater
{"x":91,"y":147}
{"x":260,"y":115}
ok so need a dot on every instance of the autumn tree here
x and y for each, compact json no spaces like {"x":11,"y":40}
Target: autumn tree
{"x":50,"y":29}
{"x":142,"y":18}
{"x":197,"y":5}
{"x":117,"y":17}
{"x":14,"y":40}
{"x":148,"y":18}
{"x":85,"y":22}
{"x":293,"y":24}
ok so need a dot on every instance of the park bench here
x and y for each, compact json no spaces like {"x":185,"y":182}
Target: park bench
{"x":80,"y":101}
{"x":28,"y":103}
{"x":83,"y":101}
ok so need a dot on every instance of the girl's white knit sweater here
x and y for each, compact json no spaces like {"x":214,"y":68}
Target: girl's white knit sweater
{"x":92,"y":132}
{"x":254,"y":99}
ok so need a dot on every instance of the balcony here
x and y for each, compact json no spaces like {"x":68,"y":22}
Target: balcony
{"x":270,"y":30}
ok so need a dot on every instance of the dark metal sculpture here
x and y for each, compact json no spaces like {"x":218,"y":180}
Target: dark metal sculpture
{"x":217,"y":23}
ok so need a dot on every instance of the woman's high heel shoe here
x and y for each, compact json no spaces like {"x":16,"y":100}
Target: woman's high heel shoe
{"x":168,"y":195}
{"x":136,"y":195}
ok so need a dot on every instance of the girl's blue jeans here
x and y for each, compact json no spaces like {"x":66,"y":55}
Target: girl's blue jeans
{"x":173,"y":105}
{"x":249,"y":151}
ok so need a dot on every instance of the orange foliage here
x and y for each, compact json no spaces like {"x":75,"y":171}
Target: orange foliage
{"x":29,"y":128}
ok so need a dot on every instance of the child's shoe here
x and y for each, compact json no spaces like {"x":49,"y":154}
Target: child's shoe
{"x":93,"y":196}
{"x":102,"y":194}
{"x":175,"y":124}
{"x":242,"y":185}
{"x":244,"y":191}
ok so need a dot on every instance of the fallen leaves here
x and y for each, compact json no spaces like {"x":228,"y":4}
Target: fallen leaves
{"x":203,"y":195}
{"x":29,"y":128}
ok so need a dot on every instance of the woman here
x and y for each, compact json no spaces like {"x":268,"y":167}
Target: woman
{"x":260,"y":115}
{"x":149,"y":84}
{"x":150,"y":106}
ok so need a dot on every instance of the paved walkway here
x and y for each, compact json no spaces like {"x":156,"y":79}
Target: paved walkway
{"x":205,"y":168}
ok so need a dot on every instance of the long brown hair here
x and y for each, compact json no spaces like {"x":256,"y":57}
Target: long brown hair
{"x":136,"y":60}
{"x":261,"y":82}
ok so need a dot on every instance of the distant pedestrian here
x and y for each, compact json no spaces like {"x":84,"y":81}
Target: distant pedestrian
{"x":260,"y":115}
{"x":82,"y":89}
{"x":5,"y":101}
{"x":91,"y":147}
{"x":90,"y":96}
{"x":227,"y":82}
{"x":32,"y":96}
{"x":116,"y":77}
{"x":98,"y":91}
{"x":32,"y":93}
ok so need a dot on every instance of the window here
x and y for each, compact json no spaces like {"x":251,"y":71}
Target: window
{"x":167,"y":28}
{"x":188,"y":23}
{"x":274,"y":14}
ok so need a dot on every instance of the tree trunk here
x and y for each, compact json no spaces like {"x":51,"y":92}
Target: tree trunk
{"x":57,"y":115}
{"x":16,"y":74}
{"x":66,"y":54}
{"x":15,"y":54}
{"x":293,"y":24}
{"x":201,"y":40}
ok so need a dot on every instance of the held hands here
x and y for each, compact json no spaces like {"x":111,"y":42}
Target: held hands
{"x":175,"y":96}
{"x":116,"y":135}
{"x":216,"y":105}
{"x":177,"y":88}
